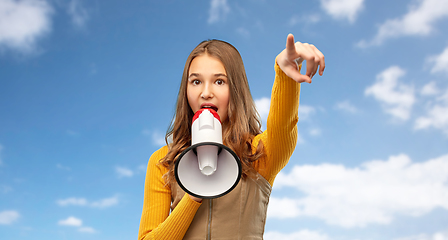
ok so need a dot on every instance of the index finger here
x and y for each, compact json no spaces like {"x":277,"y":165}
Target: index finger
{"x":290,"y":46}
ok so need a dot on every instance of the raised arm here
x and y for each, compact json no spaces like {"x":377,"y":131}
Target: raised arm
{"x":280,"y":137}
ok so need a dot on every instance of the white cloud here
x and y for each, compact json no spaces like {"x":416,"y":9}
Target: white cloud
{"x":23,"y":22}
{"x":8,"y":217}
{"x":315,"y":131}
{"x":60,"y":166}
{"x":310,"y":19}
{"x":142,"y":168}
{"x":439,"y":62}
{"x":243,"y":32}
{"x":343,"y":9}
{"x":72,"y":201}
{"x":76,"y":222}
{"x":300,"y":235}
{"x":305,"y":112}
{"x":300,"y":139}
{"x":71,"y":221}
{"x":218,"y":11}
{"x":372,"y":193}
{"x":124,"y":172}
{"x":5,"y":189}
{"x":263,"y":105}
{"x":442,"y":235}
{"x":418,"y":21}
{"x":436,"y":116}
{"x":396,"y":98}
{"x":87,"y":230}
{"x":102,"y":203}
{"x":430,"y":89}
{"x":346,"y":106}
{"x":78,"y":13}
{"x":106,"y":202}
{"x":283,"y":207}
{"x":157,"y":138}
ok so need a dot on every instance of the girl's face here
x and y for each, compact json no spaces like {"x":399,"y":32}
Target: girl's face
{"x":208,"y":85}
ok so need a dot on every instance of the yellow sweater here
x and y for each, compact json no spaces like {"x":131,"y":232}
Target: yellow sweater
{"x":279,"y":141}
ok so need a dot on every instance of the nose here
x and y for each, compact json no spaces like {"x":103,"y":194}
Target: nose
{"x":207,"y":91}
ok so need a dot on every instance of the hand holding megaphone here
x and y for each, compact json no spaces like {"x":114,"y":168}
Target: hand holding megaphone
{"x":207,"y":169}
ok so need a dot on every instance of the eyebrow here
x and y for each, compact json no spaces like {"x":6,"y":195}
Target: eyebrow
{"x":216,"y":75}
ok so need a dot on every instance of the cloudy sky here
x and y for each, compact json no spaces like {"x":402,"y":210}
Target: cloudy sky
{"x":87,"y":91}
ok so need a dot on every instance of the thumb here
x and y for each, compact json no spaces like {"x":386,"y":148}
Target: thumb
{"x":296,"y":76}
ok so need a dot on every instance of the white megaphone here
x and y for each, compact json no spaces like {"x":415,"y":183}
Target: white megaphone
{"x":207,"y":169}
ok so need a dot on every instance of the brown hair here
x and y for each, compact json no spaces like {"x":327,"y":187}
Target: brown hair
{"x":243,"y":121}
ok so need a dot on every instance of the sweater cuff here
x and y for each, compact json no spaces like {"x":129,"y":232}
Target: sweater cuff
{"x":188,"y":207}
{"x":282,"y":75}
{"x":184,"y":212}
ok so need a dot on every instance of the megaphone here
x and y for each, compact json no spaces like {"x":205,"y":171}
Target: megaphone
{"x":207,"y":169}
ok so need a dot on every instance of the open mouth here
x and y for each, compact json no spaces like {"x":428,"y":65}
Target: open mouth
{"x":210,"y":107}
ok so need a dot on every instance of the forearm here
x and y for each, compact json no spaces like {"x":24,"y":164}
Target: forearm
{"x":175,"y":225}
{"x":280,"y":137}
{"x":156,"y":221}
{"x":283,"y":111}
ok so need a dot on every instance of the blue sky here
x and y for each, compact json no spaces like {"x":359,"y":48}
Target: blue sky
{"x":87,"y":91}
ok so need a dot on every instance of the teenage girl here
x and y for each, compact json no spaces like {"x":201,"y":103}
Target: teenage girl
{"x":214,"y":77}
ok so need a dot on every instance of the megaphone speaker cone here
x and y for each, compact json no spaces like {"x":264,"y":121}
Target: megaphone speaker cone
{"x":225,"y":177}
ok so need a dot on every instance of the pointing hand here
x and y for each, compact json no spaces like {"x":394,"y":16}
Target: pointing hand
{"x":294,"y":54}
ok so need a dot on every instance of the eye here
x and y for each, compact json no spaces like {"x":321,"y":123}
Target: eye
{"x":220,"y":82}
{"x":195,"y":82}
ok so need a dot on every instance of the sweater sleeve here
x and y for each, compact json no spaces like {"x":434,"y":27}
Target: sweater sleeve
{"x":280,"y":137}
{"x":156,"y":221}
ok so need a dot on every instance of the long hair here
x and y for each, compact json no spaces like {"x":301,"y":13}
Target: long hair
{"x":243,"y":119}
